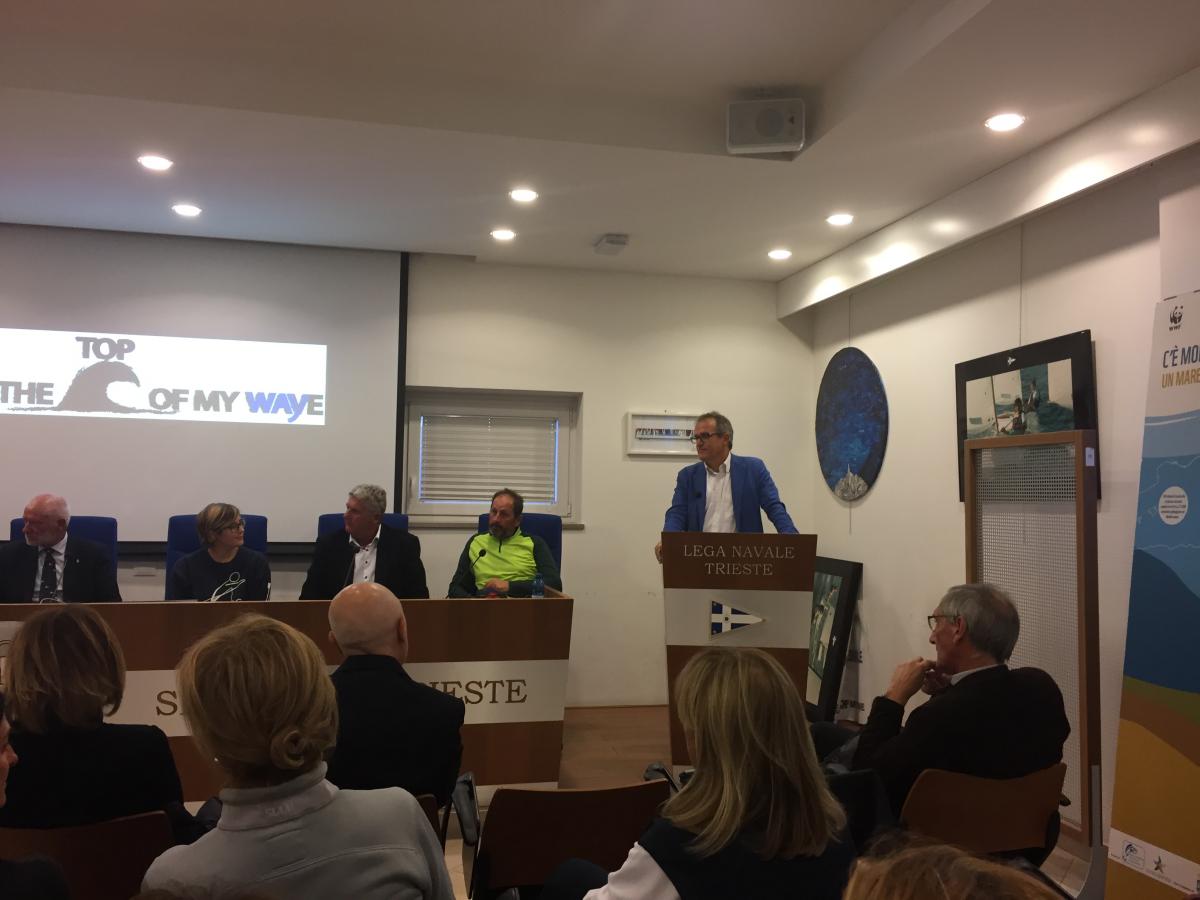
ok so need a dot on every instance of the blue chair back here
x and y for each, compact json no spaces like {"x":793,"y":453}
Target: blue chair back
{"x":327,"y":522}
{"x":101,"y":529}
{"x":544,"y":525}
{"x":183,"y":539}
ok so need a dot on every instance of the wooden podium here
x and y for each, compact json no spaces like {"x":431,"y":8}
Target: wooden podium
{"x":736,"y":590}
{"x":506,"y":658}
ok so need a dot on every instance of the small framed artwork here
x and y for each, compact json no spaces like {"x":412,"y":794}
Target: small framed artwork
{"x":836,"y":584}
{"x":1034,"y":389}
{"x":659,"y":434}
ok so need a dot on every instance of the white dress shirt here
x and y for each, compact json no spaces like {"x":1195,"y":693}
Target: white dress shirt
{"x":60,"y":561}
{"x":718,"y":499}
{"x":364,"y":559}
{"x":959,"y":676}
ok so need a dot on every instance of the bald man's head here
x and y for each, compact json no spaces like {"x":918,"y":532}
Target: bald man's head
{"x":46,"y":518}
{"x":367,"y":619}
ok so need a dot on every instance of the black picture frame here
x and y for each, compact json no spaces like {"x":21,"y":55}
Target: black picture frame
{"x":829,"y":633}
{"x":1068,"y":353}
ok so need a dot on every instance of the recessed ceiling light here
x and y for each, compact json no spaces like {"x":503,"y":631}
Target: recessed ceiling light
{"x":504,"y":234}
{"x":523,"y":195}
{"x":189,"y":210}
{"x":779,"y":253}
{"x":1005,"y":121}
{"x":155,"y":163}
{"x":840,"y":219}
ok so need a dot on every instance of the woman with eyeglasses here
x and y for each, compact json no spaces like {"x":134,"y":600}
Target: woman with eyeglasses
{"x":222,"y":569}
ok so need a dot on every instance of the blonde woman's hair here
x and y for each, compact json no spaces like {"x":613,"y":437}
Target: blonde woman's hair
{"x":940,"y":872}
{"x":258,"y":698}
{"x":756,"y":770}
{"x":214,"y":519}
{"x":65,"y":669}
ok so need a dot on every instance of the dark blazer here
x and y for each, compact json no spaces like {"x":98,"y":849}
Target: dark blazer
{"x":753,"y":489}
{"x":397,"y":565}
{"x":33,"y":879}
{"x":393,"y":731}
{"x":738,"y":871}
{"x":74,"y":777}
{"x":998,"y":723}
{"x":89,"y":576}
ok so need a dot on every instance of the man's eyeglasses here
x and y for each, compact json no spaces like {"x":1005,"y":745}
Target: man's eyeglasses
{"x":699,"y":437}
{"x":933,"y":620}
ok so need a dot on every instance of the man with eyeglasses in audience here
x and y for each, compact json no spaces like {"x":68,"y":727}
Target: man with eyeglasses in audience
{"x":722,"y":492}
{"x":982,"y":718}
{"x":51,"y":566}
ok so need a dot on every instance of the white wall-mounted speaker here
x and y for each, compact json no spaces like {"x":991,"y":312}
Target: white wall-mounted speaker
{"x":765,"y":126}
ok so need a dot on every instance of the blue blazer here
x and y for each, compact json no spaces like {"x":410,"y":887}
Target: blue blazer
{"x":753,"y":490}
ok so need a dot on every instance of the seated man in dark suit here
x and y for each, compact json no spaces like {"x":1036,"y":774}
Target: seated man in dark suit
{"x":367,"y":550}
{"x":392,"y":731}
{"x":982,"y":718}
{"x":50,"y":566}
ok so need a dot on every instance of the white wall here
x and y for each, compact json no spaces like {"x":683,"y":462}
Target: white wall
{"x":627,"y":342}
{"x":1091,"y":264}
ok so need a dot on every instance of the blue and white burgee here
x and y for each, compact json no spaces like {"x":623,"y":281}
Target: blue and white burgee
{"x":726,"y":618}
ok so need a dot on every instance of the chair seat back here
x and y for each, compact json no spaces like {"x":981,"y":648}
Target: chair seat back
{"x":102,"y":861}
{"x":527,"y":833}
{"x":985,"y":815}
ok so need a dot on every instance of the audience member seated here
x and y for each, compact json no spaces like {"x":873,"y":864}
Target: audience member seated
{"x":922,"y":872}
{"x":26,"y":879}
{"x":982,"y":718}
{"x":65,"y":673}
{"x":222,"y":569}
{"x":258,"y":699}
{"x":367,"y":550}
{"x":503,"y":560}
{"x":756,"y":820}
{"x":392,"y":731}
{"x":51,"y":566}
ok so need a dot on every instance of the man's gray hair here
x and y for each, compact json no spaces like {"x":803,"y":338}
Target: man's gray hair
{"x":724,"y":426}
{"x":54,"y":505}
{"x":372,"y":496}
{"x":992,"y":621}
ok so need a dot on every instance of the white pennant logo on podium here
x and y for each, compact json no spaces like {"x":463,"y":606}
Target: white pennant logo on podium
{"x":726,"y":618}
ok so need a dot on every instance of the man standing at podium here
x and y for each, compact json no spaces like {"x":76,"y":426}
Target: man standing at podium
{"x":723,"y":492}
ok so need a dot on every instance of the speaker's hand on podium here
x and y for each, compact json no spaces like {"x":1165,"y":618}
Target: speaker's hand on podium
{"x":658,"y":552}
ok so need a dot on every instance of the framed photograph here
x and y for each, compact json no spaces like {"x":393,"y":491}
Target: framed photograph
{"x":659,"y":434}
{"x":1037,"y":388}
{"x":836,"y":584}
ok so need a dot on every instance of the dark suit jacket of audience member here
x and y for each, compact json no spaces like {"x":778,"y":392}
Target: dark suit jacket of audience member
{"x":33,"y":879}
{"x":997,"y":723}
{"x":75,"y":777}
{"x":393,"y":731}
{"x":398,"y":565}
{"x":89,"y":576}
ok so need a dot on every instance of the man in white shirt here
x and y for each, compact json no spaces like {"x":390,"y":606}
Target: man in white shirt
{"x":51,"y":566}
{"x":721,"y":492}
{"x":367,"y":550}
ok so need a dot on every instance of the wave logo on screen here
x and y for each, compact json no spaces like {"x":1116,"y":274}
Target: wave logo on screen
{"x":193,"y":379}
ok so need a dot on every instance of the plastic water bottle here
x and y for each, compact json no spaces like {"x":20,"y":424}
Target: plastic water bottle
{"x":539,"y":586}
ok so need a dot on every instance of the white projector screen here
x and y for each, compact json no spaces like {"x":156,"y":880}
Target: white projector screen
{"x":144,"y":376}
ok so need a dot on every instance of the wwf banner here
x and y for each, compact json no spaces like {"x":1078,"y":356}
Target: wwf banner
{"x":1154,"y":845}
{"x":135,"y":376}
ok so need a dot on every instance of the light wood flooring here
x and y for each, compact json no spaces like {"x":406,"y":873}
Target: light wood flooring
{"x":609,"y":746}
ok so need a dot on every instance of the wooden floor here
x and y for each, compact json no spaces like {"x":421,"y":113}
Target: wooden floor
{"x":610,"y":746}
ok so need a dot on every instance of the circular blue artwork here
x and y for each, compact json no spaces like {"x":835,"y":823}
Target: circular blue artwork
{"x":852,"y":423}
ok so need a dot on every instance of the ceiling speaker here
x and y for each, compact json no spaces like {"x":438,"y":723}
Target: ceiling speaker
{"x":765,"y":126}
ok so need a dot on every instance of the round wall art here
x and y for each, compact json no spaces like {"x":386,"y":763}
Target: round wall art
{"x":852,"y":423}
